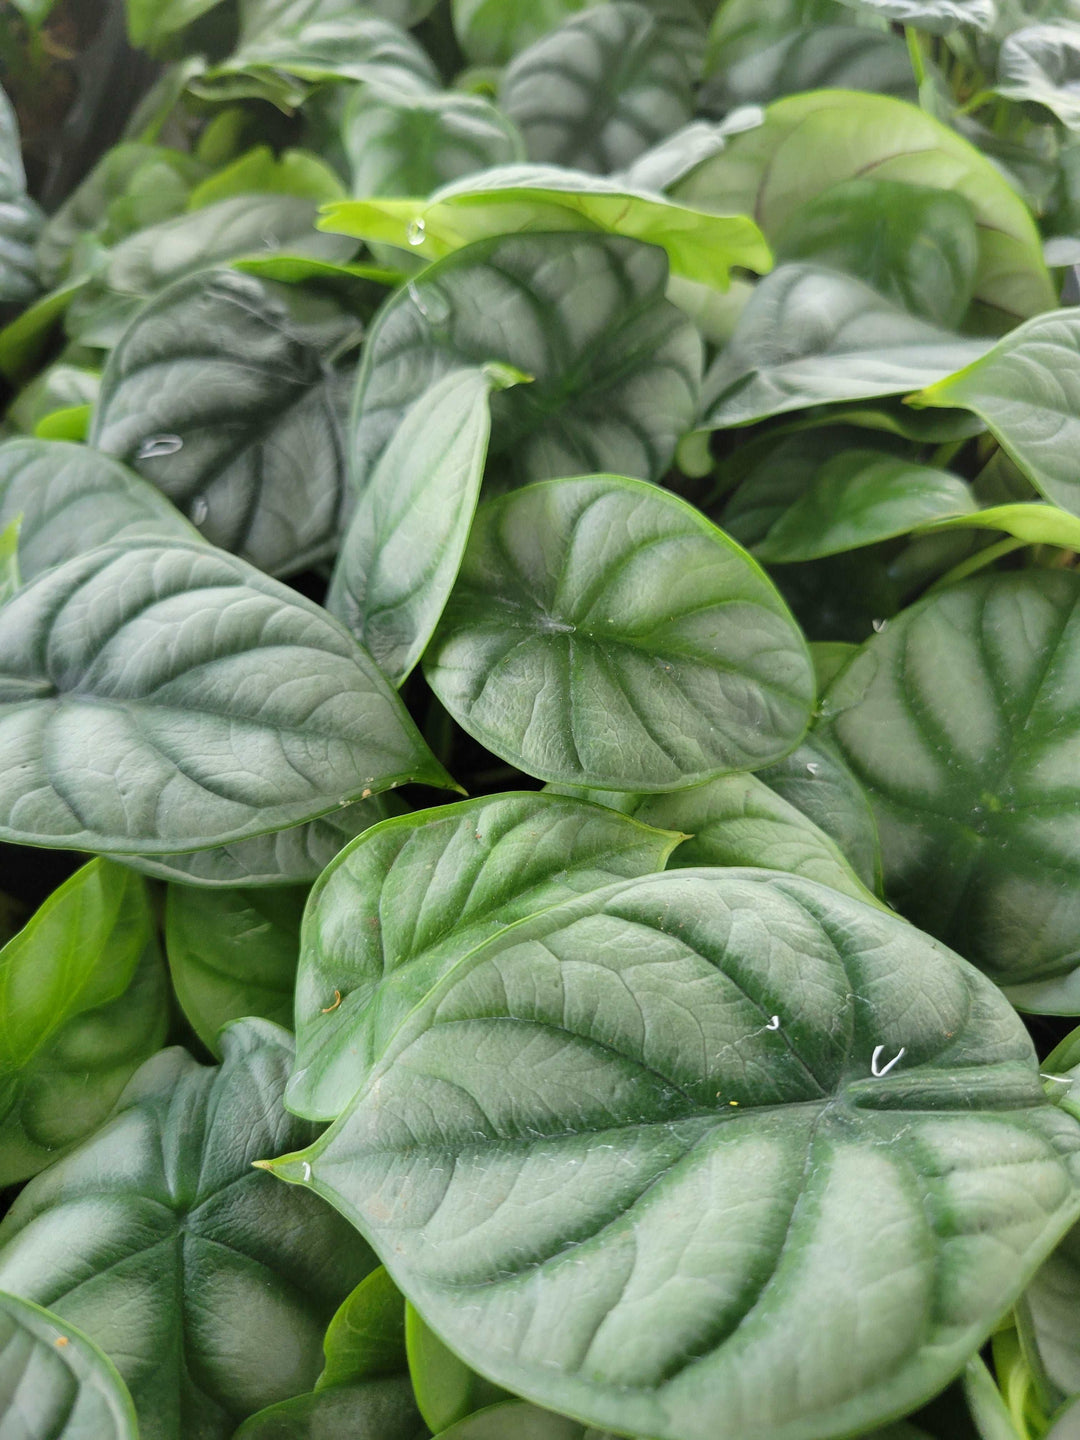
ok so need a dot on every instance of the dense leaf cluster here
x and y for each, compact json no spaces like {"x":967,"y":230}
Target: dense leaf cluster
{"x":656,"y":422}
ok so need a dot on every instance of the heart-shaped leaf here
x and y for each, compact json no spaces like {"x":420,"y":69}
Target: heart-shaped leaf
{"x":402,"y":551}
{"x":1027,"y":391}
{"x":811,"y":143}
{"x":366,"y":1337}
{"x":601,"y":89}
{"x":72,"y":499}
{"x":860,"y":498}
{"x":227,"y":1283}
{"x":603,"y":633}
{"x":54,"y":1383}
{"x":216,"y":395}
{"x":701,"y":244}
{"x":373,"y":1410}
{"x":1040,"y":64}
{"x":917,"y":246}
{"x":811,"y":336}
{"x":404,"y":144}
{"x":294,"y":856}
{"x":233,"y":953}
{"x":83,"y":997}
{"x":134,"y":677}
{"x":397,"y":906}
{"x":616,"y":369}
{"x":650,"y":1156}
{"x":962,"y":720}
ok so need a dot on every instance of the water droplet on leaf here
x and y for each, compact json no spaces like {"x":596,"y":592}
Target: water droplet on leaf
{"x":879,"y":625}
{"x":415,"y":231}
{"x":155,"y":446}
{"x":812,"y":767}
{"x":877,"y":1069}
{"x":200,"y":509}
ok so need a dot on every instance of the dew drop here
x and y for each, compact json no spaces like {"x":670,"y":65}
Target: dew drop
{"x":879,"y":625}
{"x":415,"y":231}
{"x":812,"y":767}
{"x":307,"y":1173}
{"x":154,"y":446}
{"x":200,"y":509}
{"x":416,"y":298}
{"x":773,"y":1023}
{"x":876,"y":1067}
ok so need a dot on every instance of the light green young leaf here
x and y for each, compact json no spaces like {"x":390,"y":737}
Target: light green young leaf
{"x":915,"y":245}
{"x":700,"y":243}
{"x":261,"y":172}
{"x":372,"y":1410}
{"x":61,"y":387}
{"x":403,"y":548}
{"x":446,"y":1389}
{"x":603,"y":633}
{"x":83,"y":998}
{"x":602,"y":89}
{"x":72,"y":499}
{"x":24,"y":342}
{"x":1027,"y":391}
{"x":294,"y":856}
{"x":404,"y":144}
{"x":402,"y":903}
{"x":961,"y":720}
{"x":217,"y":396}
{"x":561,"y":1103}
{"x":134,"y":678}
{"x":366,"y":1338}
{"x":1035,"y":524}
{"x":233,"y":953}
{"x":616,"y":369}
{"x":56,"y":1384}
{"x":988,"y":1409}
{"x":811,"y":143}
{"x":1040,"y":65}
{"x":227,"y":1282}
{"x":860,"y":498}
{"x":491,"y":32}
{"x":152,"y":21}
{"x":811,"y":336}
{"x":10,"y":579}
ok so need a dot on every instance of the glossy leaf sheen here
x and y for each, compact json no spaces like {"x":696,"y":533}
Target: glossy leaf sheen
{"x":602,"y":632}
{"x":227,"y":1284}
{"x":55,"y":1384}
{"x":811,"y":143}
{"x":72,"y":499}
{"x":135,"y":679}
{"x":407,"y":899}
{"x":216,"y":363}
{"x":549,"y":1162}
{"x":616,"y":369}
{"x":811,"y":336}
{"x":1027,"y":391}
{"x":962,"y":720}
{"x":700,"y":244}
{"x":601,"y":89}
{"x":82,"y":1004}
{"x":402,"y":551}
{"x":233,"y":953}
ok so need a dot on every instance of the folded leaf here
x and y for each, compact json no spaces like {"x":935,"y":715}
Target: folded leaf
{"x":603,"y":633}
